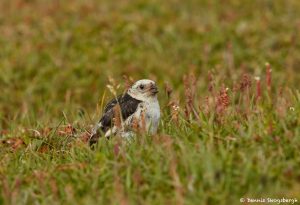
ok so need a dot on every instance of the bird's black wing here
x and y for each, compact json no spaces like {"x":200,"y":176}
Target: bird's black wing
{"x":111,"y":104}
{"x":128,"y":106}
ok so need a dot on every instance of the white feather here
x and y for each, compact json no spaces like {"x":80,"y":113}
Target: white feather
{"x":149,"y":106}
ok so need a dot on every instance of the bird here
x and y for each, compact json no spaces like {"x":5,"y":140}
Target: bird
{"x":138,"y":107}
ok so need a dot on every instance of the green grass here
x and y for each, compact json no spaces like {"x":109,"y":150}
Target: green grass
{"x":55,"y":61}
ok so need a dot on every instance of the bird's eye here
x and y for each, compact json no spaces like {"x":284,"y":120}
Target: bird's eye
{"x":141,"y":87}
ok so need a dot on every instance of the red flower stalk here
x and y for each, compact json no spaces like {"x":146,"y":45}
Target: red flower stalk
{"x":189,"y":82}
{"x":269,"y":76}
{"x":117,"y":120}
{"x":168,"y":89}
{"x":222,"y":100}
{"x":210,"y":82}
{"x":245,"y":82}
{"x":258,"y":88}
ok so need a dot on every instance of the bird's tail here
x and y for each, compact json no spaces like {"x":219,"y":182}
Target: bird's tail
{"x":95,"y":135}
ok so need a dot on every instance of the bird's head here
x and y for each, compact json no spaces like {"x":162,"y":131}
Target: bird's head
{"x":143,"y":90}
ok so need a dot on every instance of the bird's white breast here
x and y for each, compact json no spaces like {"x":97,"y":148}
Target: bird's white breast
{"x":152,"y":111}
{"x":151,"y":115}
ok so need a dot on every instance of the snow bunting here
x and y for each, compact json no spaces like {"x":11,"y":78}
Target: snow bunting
{"x":137,"y":108}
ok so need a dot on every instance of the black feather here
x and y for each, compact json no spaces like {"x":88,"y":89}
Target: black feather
{"x":128,"y":106}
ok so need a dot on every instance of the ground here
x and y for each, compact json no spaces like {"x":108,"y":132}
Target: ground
{"x":229,"y":94}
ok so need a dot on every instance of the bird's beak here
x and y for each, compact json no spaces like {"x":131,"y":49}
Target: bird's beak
{"x":153,"y":89}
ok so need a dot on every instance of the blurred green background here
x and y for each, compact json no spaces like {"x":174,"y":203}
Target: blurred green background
{"x":57,"y":55}
{"x":56,"y":58}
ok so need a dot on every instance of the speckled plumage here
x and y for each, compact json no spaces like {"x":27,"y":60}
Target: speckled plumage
{"x":138,"y":106}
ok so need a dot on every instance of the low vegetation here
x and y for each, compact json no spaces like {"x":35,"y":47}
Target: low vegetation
{"x":230,"y":124}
